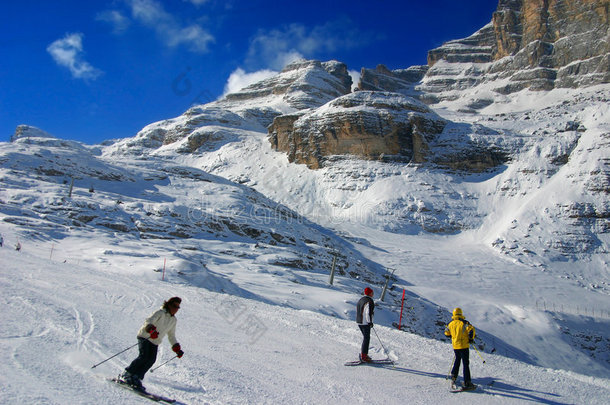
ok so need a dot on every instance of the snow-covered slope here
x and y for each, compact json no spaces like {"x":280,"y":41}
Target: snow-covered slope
{"x":204,"y":203}
{"x":61,"y":317}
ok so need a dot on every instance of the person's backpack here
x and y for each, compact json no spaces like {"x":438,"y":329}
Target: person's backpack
{"x":471,"y":332}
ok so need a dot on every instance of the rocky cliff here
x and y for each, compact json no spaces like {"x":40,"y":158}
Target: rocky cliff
{"x":518,"y":149}
{"x":559,"y":43}
{"x":535,"y":44}
{"x":299,"y":86}
{"x":370,"y":125}
{"x":302,"y":84}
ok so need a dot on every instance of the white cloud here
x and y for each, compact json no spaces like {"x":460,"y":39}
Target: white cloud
{"x":119,"y":22}
{"x":274,"y":47}
{"x":239,"y":79}
{"x":68,"y":52}
{"x":152,"y":14}
{"x":285,"y":58}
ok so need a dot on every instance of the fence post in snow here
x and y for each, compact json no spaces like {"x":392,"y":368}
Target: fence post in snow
{"x":385,"y":287}
{"x":71,"y":187}
{"x":331,"y":279}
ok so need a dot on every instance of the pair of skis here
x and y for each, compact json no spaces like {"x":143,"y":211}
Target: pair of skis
{"x":453,"y":387}
{"x":459,"y":388}
{"x":379,"y":361}
{"x":145,"y":394}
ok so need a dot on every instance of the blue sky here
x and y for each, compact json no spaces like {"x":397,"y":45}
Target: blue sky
{"x":96,"y":70}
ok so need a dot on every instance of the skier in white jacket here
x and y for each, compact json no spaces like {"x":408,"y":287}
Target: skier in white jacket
{"x":160,"y":323}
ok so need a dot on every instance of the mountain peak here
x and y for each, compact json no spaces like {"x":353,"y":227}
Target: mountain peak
{"x":300,"y":85}
{"x":28,"y":131}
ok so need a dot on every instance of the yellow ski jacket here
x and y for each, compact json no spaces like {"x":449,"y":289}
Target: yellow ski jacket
{"x":461,"y":332}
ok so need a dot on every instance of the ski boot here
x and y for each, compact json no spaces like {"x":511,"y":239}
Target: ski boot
{"x":365,"y":358}
{"x":132,"y":380}
{"x":469,"y":387}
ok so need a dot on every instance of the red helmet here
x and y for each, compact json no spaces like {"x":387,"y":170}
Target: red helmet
{"x":368,"y":291}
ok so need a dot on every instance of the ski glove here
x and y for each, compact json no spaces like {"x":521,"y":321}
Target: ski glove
{"x":152,"y":329}
{"x":176,"y":349}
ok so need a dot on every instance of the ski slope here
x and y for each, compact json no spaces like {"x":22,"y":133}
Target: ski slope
{"x":247,"y":239}
{"x":60,"y":318}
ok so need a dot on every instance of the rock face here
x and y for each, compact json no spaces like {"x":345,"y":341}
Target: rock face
{"x":370,"y":125}
{"x":299,"y":86}
{"x":398,"y":81}
{"x":535,"y":44}
{"x":303,"y":84}
{"x":562,"y":43}
{"x":27,"y":131}
{"x":477,"y":48}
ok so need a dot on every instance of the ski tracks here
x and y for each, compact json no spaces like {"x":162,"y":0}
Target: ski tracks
{"x":84,"y":328}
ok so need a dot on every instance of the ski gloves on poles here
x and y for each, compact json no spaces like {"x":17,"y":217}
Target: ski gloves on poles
{"x":152,"y":329}
{"x":177,"y":350}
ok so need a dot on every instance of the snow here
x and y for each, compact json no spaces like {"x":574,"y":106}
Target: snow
{"x":62,"y":318}
{"x":247,"y":240}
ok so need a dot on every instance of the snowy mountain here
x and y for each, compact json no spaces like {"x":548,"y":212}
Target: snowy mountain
{"x":494,"y":201}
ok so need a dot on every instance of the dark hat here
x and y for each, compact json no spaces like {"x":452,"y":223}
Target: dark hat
{"x":171,"y":302}
{"x":174,"y":300}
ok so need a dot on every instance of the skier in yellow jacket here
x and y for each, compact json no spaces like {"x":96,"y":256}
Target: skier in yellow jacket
{"x":462,"y":334}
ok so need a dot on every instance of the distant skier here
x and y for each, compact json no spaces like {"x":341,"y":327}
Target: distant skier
{"x":462,"y":333}
{"x":160,"y":323}
{"x":364,"y":319}
{"x":1,"y":241}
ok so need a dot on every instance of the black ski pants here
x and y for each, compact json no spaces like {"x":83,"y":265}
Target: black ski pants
{"x":145,"y":360}
{"x":366,"y":338}
{"x":463,"y":356}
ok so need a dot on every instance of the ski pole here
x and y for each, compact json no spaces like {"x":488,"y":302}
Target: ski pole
{"x":175,"y":357}
{"x":475,"y":348}
{"x":112,"y":357}
{"x":451,"y":367}
{"x":384,"y":350}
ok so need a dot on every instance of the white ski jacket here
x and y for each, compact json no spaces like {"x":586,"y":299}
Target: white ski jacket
{"x":165,"y":324}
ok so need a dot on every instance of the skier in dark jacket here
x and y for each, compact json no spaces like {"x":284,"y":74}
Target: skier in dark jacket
{"x":160,"y":323}
{"x":364,"y":318}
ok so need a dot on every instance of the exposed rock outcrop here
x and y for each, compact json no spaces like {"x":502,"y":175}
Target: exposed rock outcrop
{"x":564,"y":42}
{"x":302,"y":84}
{"x":28,"y":131}
{"x":370,"y":125}
{"x":299,"y":86}
{"x":477,"y":48}
{"x":535,"y":44}
{"x":398,"y":81}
